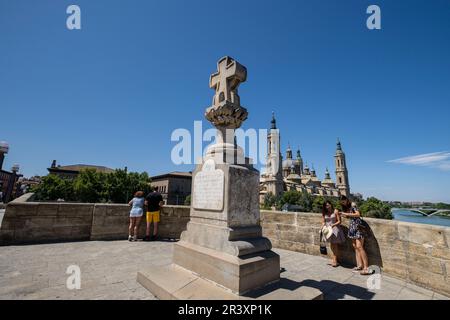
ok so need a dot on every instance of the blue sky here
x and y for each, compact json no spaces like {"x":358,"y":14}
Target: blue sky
{"x":112,"y":93}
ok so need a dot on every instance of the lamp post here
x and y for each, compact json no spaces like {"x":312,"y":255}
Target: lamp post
{"x":126,"y":180}
{"x":4,"y":148}
{"x":12,"y":182}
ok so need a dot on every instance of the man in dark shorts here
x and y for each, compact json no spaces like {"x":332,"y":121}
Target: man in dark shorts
{"x":154,"y":202}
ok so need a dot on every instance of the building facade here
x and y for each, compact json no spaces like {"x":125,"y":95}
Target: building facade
{"x":292,"y":174}
{"x":174,"y":186}
{"x":72,"y":171}
{"x":9,"y":187}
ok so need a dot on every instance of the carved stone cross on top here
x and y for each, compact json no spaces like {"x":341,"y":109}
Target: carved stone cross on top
{"x":226,"y":80}
{"x":226,"y":111}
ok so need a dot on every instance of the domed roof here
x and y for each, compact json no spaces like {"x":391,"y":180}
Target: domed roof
{"x":294,"y":177}
{"x":287,"y":164}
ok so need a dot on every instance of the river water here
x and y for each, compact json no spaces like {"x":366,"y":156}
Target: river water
{"x":411,"y":216}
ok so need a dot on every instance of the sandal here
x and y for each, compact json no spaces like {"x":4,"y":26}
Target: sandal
{"x":357,"y":269}
{"x":366,"y":272}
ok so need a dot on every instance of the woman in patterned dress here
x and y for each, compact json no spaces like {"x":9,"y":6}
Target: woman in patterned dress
{"x":331,"y":217}
{"x":354,"y":232}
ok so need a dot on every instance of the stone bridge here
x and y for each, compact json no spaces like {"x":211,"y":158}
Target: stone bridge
{"x":414,"y":258}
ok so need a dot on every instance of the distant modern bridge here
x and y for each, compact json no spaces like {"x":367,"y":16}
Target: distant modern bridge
{"x":429,"y":211}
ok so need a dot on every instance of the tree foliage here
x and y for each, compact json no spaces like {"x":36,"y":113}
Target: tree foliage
{"x":372,"y":207}
{"x":270,"y":201}
{"x":89,"y":186}
{"x":187,"y":201}
{"x":375,"y":208}
{"x":92,"y":186}
{"x":53,"y":187}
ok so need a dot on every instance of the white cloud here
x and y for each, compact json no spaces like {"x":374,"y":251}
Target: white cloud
{"x":439,"y":160}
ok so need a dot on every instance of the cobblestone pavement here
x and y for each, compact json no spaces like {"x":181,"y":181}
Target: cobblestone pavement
{"x":109,"y":268}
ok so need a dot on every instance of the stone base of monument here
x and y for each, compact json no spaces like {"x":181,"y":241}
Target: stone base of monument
{"x":238,"y":274}
{"x":173,"y":282}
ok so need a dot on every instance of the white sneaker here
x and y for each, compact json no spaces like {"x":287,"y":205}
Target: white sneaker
{"x":130,"y":238}
{"x":135,"y":238}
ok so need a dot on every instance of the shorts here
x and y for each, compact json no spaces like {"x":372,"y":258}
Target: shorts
{"x":136,"y":213}
{"x":153,"y":216}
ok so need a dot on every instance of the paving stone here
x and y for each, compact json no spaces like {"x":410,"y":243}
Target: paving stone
{"x":109,"y":269}
{"x":409,"y":294}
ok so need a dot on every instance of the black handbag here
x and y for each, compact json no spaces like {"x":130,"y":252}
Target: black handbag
{"x":360,"y":223}
{"x":323,"y":247}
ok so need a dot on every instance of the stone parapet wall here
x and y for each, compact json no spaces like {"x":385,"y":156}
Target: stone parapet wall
{"x":38,"y":222}
{"x":110,"y":222}
{"x":418,"y":253}
{"x":29,"y":222}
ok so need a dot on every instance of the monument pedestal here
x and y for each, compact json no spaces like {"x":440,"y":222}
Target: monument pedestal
{"x":237,"y":274}
{"x":223,"y":242}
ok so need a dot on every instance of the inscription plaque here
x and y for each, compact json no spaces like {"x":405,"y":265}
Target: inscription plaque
{"x":208,"y":192}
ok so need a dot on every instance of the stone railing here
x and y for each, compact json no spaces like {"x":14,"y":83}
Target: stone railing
{"x":417,"y":253}
{"x":37,"y":222}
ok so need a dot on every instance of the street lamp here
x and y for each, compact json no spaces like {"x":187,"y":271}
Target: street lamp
{"x":12,"y":182}
{"x":4,"y":148}
{"x":15,"y":168}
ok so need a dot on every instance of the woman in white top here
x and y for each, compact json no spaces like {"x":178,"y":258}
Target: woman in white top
{"x":136,"y":213}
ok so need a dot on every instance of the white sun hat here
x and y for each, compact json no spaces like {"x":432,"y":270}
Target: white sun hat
{"x":327,"y":232}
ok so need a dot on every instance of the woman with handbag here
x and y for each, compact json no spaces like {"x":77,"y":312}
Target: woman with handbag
{"x":355,"y":232}
{"x":332,"y":230}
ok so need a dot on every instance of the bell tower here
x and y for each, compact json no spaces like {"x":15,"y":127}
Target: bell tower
{"x":274,"y":176}
{"x":341,"y":171}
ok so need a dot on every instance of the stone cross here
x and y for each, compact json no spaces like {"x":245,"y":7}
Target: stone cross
{"x":226,"y":80}
{"x":226,"y":111}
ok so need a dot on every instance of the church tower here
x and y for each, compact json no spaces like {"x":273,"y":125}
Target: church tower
{"x":341,"y":171}
{"x":299,"y":163}
{"x":274,"y":175}
{"x":287,"y":164}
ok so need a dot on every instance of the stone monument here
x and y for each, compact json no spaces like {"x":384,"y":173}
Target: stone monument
{"x":222,"y":254}
{"x":223,"y":241}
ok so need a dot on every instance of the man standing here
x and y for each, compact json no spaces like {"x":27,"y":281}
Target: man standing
{"x":154,"y":202}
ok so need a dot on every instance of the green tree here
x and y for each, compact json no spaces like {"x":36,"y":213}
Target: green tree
{"x":306,"y":201}
{"x":320,"y":200}
{"x":90,"y":186}
{"x":187,"y":201}
{"x":121,"y":186}
{"x":270,"y":200}
{"x":318,"y":203}
{"x":299,"y":198}
{"x":442,"y":206}
{"x":375,"y":208}
{"x":52,"y":188}
{"x":291,"y":197}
